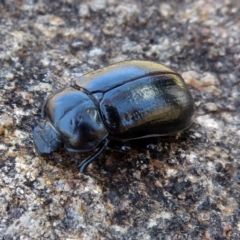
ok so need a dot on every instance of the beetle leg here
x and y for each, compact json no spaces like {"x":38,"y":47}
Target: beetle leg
{"x":151,"y":147}
{"x":120,"y":148}
{"x":82,"y":167}
{"x":125,"y":149}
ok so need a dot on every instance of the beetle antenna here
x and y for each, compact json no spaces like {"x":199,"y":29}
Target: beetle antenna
{"x":82,"y":167}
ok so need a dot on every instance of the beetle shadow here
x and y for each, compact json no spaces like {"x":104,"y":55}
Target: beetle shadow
{"x":130,"y":156}
{"x":119,"y":156}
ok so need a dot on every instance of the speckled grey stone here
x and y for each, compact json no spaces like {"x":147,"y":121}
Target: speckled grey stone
{"x":186,"y":187}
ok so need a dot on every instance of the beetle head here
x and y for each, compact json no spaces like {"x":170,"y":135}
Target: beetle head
{"x":46,"y":139}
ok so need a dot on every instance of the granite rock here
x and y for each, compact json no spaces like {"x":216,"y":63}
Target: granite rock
{"x":186,"y":187}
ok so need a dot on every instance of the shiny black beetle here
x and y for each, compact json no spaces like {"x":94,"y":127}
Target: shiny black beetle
{"x":124,"y":101}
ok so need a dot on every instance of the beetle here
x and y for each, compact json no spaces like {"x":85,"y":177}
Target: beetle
{"x":124,"y":101}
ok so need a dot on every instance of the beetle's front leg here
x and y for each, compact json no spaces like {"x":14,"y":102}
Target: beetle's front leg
{"x":83,"y":165}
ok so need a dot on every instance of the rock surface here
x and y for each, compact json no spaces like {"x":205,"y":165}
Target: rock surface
{"x":188,"y":187}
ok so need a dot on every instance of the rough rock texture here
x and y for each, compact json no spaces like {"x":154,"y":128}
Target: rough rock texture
{"x":188,"y":187}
